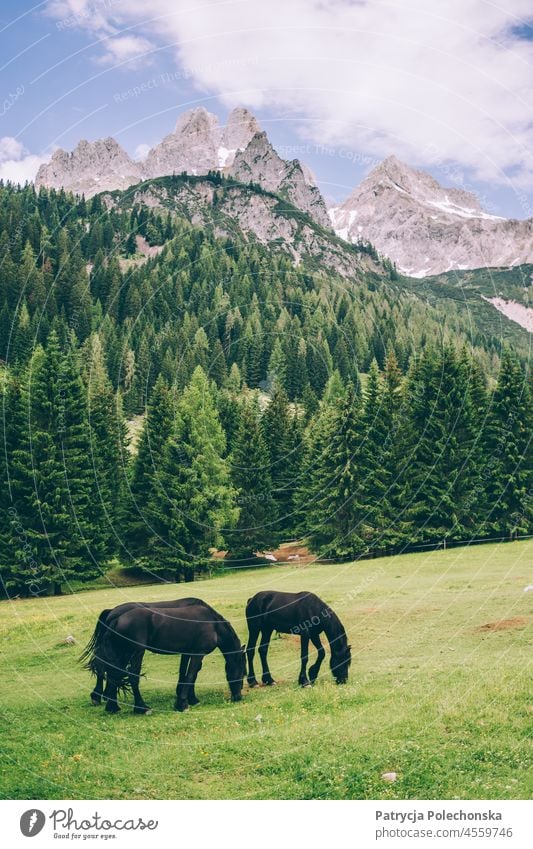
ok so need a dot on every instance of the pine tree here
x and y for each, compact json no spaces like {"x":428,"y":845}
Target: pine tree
{"x":317,"y":478}
{"x":510,"y":451}
{"x":443,"y":467}
{"x":338,"y":501}
{"x":147,"y":467}
{"x":276,"y":425}
{"x":53,"y":487}
{"x":251,"y":477}
{"x":109,"y":449}
{"x":194,"y":504}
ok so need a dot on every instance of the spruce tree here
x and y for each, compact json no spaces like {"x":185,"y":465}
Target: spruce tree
{"x":255,"y":530}
{"x":276,"y":425}
{"x":510,"y":451}
{"x":194,"y":503}
{"x":109,"y":448}
{"x":442,"y":473}
{"x":53,"y":484}
{"x":147,"y":466}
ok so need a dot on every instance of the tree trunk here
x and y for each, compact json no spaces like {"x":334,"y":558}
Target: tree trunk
{"x":57,"y":588}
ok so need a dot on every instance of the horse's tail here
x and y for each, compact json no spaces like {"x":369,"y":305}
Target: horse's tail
{"x":89,"y":656}
{"x":104,"y":653}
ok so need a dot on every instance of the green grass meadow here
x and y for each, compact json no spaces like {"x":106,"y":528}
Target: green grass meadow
{"x":440,"y":692}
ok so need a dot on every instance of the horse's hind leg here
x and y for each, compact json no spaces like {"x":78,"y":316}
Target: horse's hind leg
{"x":315,"y":668}
{"x":115,"y":666}
{"x":140,"y":705}
{"x":303,"y":680}
{"x":184,"y":664}
{"x":263,"y":652}
{"x":253,"y":633}
{"x":96,"y":695}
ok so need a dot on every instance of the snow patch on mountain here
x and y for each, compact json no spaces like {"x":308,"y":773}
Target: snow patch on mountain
{"x":513,"y":310}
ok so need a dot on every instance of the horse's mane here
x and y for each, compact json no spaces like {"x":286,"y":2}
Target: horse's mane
{"x":228,"y":634}
{"x":335,"y":631}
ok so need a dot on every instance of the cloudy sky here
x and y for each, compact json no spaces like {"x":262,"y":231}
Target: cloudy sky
{"x":445,"y":85}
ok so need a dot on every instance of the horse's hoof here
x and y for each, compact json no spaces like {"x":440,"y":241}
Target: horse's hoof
{"x":270,"y":683}
{"x":305,"y":684}
{"x":182,"y":708}
{"x":252,"y":684}
{"x":143,"y":710}
{"x":148,"y":712}
{"x":96,"y":702}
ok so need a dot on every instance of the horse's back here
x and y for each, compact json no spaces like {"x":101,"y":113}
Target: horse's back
{"x":149,"y":605}
{"x":283,"y":610}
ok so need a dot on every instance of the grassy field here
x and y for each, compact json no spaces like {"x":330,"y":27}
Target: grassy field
{"x":439,"y":692}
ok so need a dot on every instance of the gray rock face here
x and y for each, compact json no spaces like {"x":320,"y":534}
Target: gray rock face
{"x":91,"y":167}
{"x":192,"y":147}
{"x":426,"y":228}
{"x":197,"y":145}
{"x":259,"y":163}
{"x":256,"y":216}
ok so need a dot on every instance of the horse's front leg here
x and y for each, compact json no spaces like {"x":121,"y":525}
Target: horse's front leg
{"x":263,"y":652}
{"x":193,"y":669}
{"x":253,"y":633}
{"x":315,"y":668}
{"x":140,"y":705}
{"x":303,"y":680}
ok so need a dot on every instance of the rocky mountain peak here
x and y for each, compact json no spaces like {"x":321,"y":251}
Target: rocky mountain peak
{"x":197,"y":144}
{"x":427,"y":228}
{"x":239,"y":130}
{"x":259,"y":163}
{"x":90,"y":167}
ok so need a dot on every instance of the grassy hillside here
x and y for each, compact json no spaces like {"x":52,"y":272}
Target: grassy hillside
{"x":463,"y":290}
{"x":439,"y":692}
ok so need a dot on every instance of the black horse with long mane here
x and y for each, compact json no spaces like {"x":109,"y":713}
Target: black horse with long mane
{"x":189,"y":627}
{"x":305,"y":615}
{"x":98,"y":668}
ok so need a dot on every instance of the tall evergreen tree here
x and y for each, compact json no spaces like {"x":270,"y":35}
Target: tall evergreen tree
{"x":194,"y":504}
{"x":276,"y":427}
{"x":510,"y":451}
{"x":147,"y":467}
{"x":109,"y":448}
{"x":53,"y":482}
{"x":255,"y":530}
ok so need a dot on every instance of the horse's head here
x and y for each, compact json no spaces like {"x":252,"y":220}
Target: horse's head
{"x":340,"y":663}
{"x":235,"y":672}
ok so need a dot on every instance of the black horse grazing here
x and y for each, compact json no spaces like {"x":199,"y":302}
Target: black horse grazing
{"x":98,"y":669}
{"x":122,"y":636}
{"x":306,"y":615}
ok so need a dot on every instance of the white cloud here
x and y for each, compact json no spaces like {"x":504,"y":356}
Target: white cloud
{"x":141,"y":151}
{"x":10,"y":148}
{"x":16,"y":163}
{"x":450,"y":81}
{"x":129,"y":49}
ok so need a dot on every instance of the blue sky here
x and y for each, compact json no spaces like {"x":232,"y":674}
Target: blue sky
{"x":338,"y":84}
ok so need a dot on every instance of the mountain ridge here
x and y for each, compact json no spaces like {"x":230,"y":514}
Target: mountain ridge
{"x":423,"y":227}
{"x":426,"y":228}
